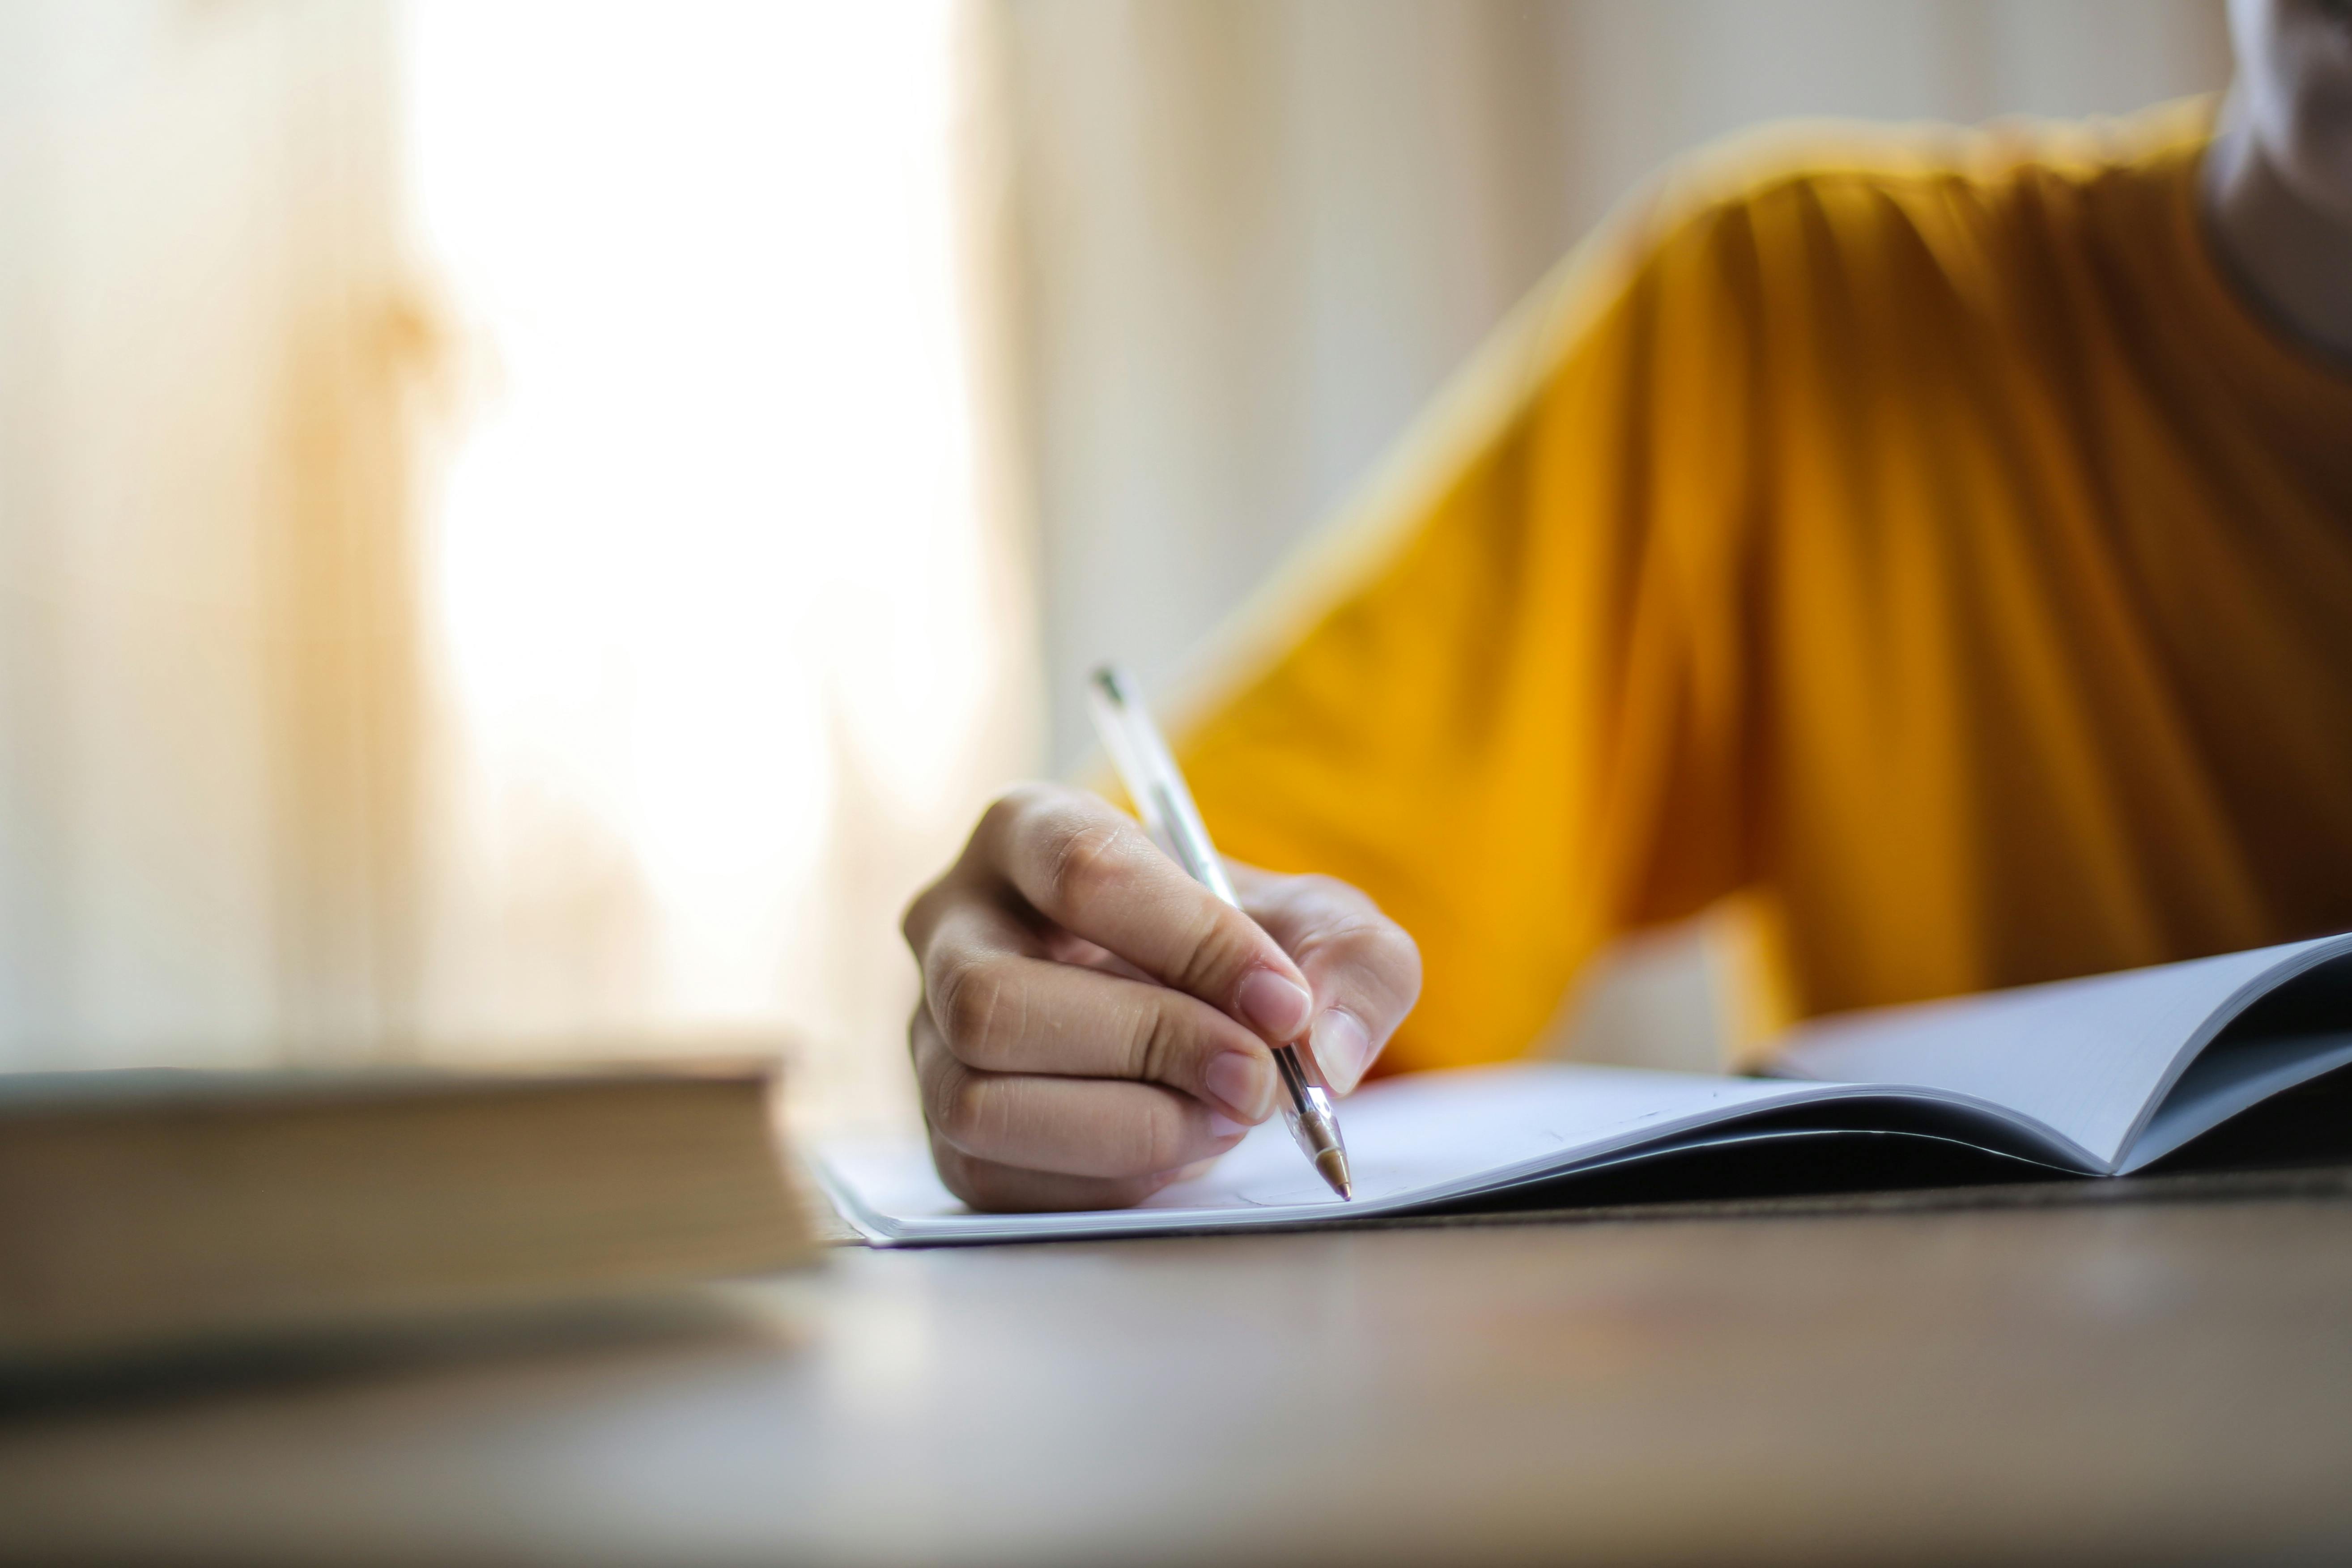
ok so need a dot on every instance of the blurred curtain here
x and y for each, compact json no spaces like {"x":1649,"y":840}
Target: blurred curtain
{"x":730,"y":601}
{"x":502,"y":548}
{"x":1259,"y":233}
{"x":208,"y":699}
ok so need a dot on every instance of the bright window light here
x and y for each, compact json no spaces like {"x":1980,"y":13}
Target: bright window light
{"x":708,"y":544}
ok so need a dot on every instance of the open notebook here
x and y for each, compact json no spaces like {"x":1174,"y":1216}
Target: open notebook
{"x":2096,"y":1076}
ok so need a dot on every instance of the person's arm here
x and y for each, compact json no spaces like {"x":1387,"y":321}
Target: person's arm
{"x":1522,"y":711}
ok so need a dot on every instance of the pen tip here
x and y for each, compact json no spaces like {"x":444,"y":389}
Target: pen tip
{"x":1333,"y":1164}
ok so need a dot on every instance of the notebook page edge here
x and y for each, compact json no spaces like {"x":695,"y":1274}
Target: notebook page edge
{"x":2296,"y":960}
{"x":2158,"y":1140}
{"x":2098,"y":1102}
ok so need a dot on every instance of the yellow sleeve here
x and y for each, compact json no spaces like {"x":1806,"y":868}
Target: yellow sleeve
{"x":1510,"y":697}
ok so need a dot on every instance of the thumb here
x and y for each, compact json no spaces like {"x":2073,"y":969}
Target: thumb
{"x":1363,"y":970}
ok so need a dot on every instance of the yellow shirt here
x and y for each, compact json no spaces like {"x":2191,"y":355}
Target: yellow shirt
{"x":1928,"y":544}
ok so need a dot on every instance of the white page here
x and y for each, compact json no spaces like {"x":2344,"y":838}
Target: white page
{"x":1410,"y":1140}
{"x":2088,"y":1057}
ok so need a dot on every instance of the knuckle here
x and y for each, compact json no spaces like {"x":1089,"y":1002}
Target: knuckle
{"x":1156,"y":1045}
{"x":1352,"y":934}
{"x":1389,"y":958}
{"x":969,"y":1000}
{"x":1004,"y":813}
{"x":1369,"y":941}
{"x":1384,"y":947}
{"x":1366,"y":958}
{"x":958,"y":1105}
{"x":1215,"y":948}
{"x":1023,"y":808}
{"x":1002,"y":826}
{"x":1085,"y":862}
{"x":978,"y":866}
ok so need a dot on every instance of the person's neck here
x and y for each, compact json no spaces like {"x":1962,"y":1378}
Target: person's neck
{"x":2292,"y":255}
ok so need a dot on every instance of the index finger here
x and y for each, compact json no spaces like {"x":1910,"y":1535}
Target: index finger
{"x":1095,"y":874}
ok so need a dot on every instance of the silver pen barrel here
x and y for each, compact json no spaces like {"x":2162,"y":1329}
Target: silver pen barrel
{"x":1151,"y":775}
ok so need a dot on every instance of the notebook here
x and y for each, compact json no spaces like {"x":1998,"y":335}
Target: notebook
{"x":2094,"y":1077}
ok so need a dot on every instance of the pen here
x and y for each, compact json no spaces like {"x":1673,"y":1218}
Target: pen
{"x":1148,"y":772}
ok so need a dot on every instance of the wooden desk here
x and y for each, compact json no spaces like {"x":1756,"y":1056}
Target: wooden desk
{"x":2144,"y":1382}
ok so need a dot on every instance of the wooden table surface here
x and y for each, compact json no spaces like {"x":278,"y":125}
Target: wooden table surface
{"x":2168,"y":1379}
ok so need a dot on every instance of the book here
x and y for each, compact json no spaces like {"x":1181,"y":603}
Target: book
{"x":151,"y":1209}
{"x":2092,"y":1078}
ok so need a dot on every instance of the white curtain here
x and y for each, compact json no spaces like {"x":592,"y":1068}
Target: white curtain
{"x":501,"y":553}
{"x":208,"y":705}
{"x":733,"y":621}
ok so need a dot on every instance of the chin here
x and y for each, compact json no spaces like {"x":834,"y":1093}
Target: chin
{"x":2298,"y":55}
{"x":2317,"y":162}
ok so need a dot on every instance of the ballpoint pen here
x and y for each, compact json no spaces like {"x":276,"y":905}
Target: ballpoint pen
{"x":1150,"y":772}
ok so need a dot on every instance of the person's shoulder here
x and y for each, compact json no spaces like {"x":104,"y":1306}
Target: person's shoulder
{"x":1847,"y":179}
{"x":1817,"y":158}
{"x":1710,"y":226}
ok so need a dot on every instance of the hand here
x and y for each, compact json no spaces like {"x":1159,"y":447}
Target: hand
{"x":1095,"y":1024}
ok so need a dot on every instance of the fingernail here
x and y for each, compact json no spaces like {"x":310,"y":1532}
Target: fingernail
{"x":1223,"y":1126}
{"x":1341,"y":1049}
{"x":1273,"y":1006}
{"x":1245,"y":1082}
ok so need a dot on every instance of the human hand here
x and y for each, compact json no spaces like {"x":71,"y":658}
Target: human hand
{"x":1095,"y":1025}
